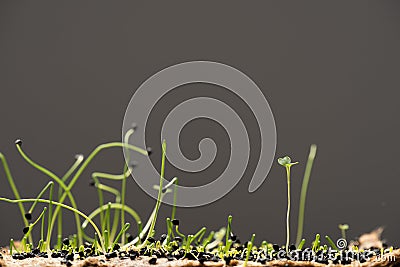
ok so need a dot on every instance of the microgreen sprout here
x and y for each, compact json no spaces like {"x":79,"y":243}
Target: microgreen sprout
{"x":331,"y":243}
{"x":287,"y":163}
{"x":303,"y":194}
{"x":249,"y":248}
{"x":111,"y":237}
{"x":343,"y":228}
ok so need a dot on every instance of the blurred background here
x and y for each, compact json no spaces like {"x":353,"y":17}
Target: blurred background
{"x":330,"y":71}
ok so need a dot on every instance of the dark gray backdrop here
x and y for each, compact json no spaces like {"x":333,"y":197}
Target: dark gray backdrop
{"x":330,"y":71}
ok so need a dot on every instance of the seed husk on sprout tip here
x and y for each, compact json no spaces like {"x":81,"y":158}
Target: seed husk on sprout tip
{"x":175,"y":222}
{"x":18,"y":142}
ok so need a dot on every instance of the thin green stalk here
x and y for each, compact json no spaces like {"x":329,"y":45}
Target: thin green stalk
{"x":316,"y":243}
{"x":249,"y":248}
{"x":288,"y":210}
{"x":228,"y":230}
{"x":78,"y":160}
{"x":108,"y":210}
{"x":303,"y":195}
{"x":123,"y":186}
{"x":84,"y":166}
{"x":60,"y":183}
{"x":287,"y":163}
{"x":331,"y":243}
{"x":26,"y":200}
{"x":30,"y":227}
{"x":12,"y":245}
{"x":175,"y":197}
{"x":121,"y":233}
{"x":15,"y":191}
{"x":164,"y":151}
{"x":48,"y":241}
{"x":101,"y":202}
{"x":97,"y":211}
{"x":142,"y":233}
{"x":301,"y":244}
{"x":49,"y":185}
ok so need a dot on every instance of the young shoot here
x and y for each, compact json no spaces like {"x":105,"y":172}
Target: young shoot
{"x":343,"y":228}
{"x":303,"y":194}
{"x":287,"y":163}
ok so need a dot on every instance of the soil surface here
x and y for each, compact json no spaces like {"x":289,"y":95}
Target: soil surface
{"x":392,"y":259}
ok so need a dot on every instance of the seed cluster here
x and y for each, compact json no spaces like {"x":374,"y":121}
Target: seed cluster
{"x":175,"y":250}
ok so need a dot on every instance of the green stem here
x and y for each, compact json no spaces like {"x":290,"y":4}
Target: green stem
{"x":61,"y":184}
{"x":48,"y":241}
{"x":78,"y":160}
{"x":164,"y":149}
{"x":123,"y":186}
{"x":303,"y":195}
{"x":15,"y":191}
{"x":60,"y":205}
{"x":288,"y":209}
{"x":121,"y":233}
{"x":34,"y":223}
{"x":175,"y":197}
{"x":84,"y":166}
{"x":129,"y":210}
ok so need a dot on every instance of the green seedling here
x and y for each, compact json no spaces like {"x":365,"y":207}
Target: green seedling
{"x":303,"y":194}
{"x":343,"y":228}
{"x":287,"y":163}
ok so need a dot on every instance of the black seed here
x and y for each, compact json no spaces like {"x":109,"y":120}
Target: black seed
{"x":69,"y":264}
{"x":175,"y":222}
{"x":18,"y":142}
{"x":149,"y":151}
{"x":25,"y":230}
{"x":227,"y":260}
{"x":151,"y":239}
{"x":116,"y":247}
{"x":69,"y":257}
{"x":130,"y":238}
{"x":170,"y":258}
{"x":292,"y":247}
{"x":81,"y":254}
{"x":35,"y":251}
{"x":111,"y":255}
{"x":163,"y":237}
{"x":153,"y":260}
{"x":233,"y":237}
{"x":276,"y":247}
{"x":66,"y":241}
{"x":28,"y":216}
{"x":178,"y":239}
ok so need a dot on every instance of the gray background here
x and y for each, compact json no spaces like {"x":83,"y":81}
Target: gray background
{"x":330,"y":71}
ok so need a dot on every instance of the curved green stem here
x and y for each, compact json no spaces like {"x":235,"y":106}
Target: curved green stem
{"x":129,"y":210}
{"x":60,"y":205}
{"x":15,"y":191}
{"x":303,"y":194}
{"x":60,"y":183}
{"x":123,"y":186}
{"x":84,"y":166}
{"x":30,"y":227}
{"x":164,"y":151}
{"x":78,"y":161}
